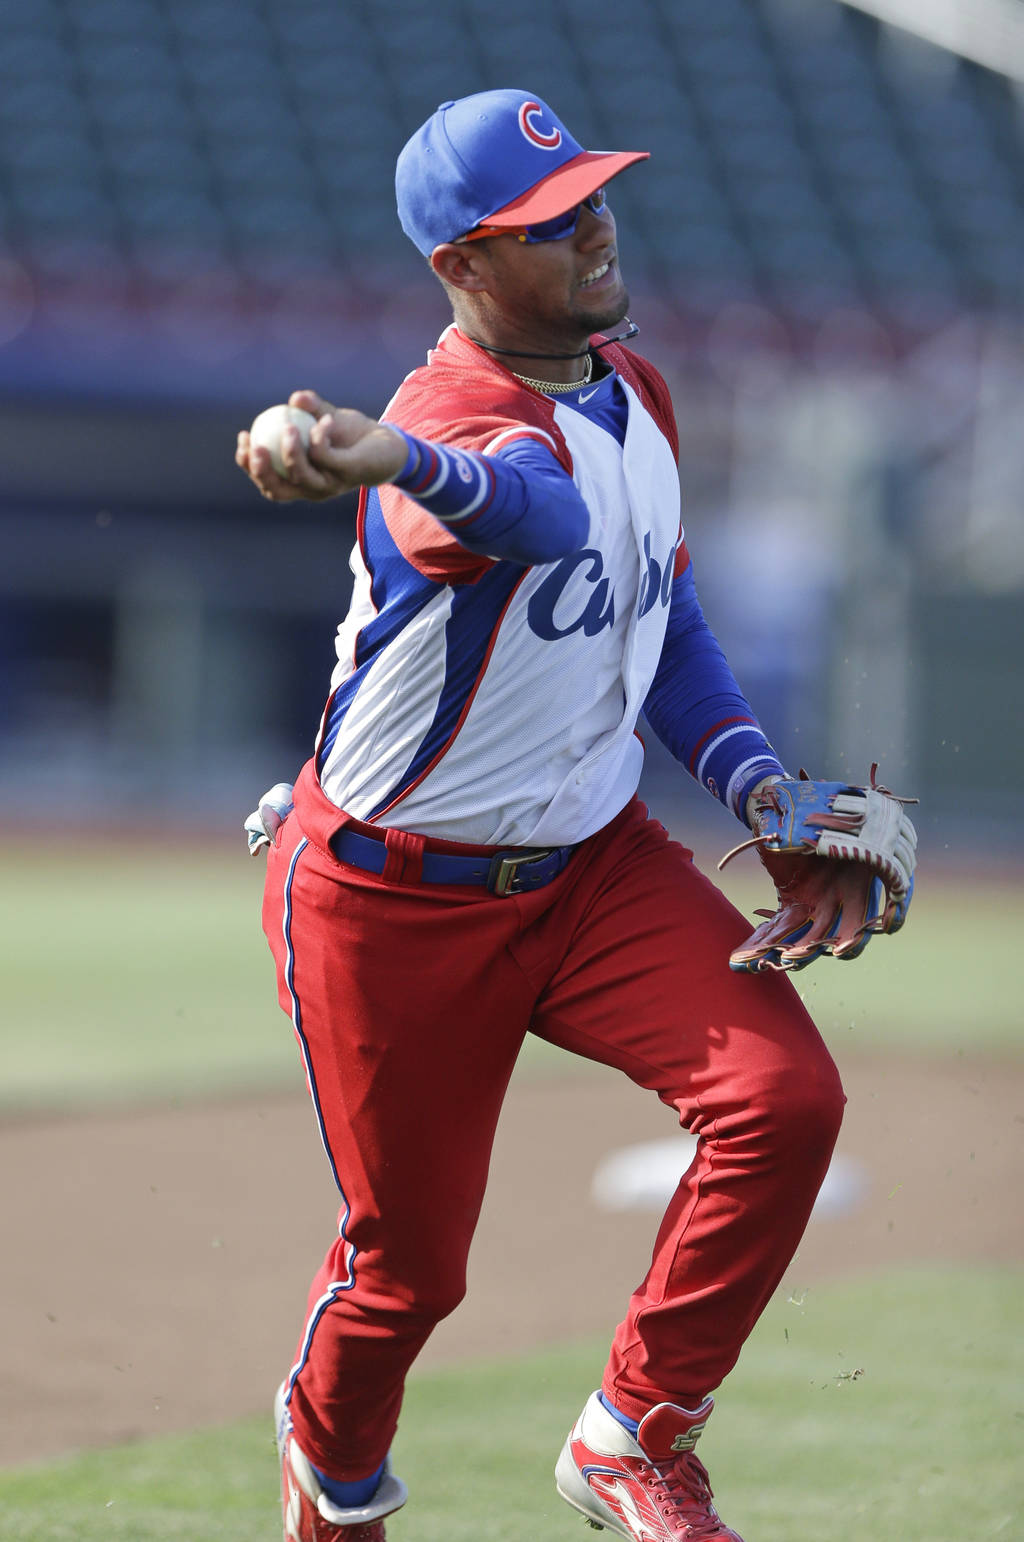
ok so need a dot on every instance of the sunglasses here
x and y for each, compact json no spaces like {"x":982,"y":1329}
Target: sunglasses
{"x":555,"y":229}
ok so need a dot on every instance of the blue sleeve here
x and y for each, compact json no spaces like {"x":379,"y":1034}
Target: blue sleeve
{"x":517,"y":505}
{"x":698,"y":711}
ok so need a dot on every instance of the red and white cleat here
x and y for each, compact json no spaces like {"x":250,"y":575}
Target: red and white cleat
{"x":309,"y":1516}
{"x":652,"y":1489}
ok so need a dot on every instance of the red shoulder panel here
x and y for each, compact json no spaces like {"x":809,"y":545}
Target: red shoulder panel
{"x":460,"y":397}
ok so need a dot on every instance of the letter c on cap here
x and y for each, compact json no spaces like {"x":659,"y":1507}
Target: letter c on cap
{"x":530,"y":110}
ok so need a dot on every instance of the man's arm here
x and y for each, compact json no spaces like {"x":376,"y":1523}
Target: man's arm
{"x":519,"y":505}
{"x":698,"y":711}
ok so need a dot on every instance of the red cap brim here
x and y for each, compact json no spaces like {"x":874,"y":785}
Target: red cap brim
{"x":566,"y":187}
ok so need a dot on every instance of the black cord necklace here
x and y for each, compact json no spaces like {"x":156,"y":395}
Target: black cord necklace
{"x":632,"y":330}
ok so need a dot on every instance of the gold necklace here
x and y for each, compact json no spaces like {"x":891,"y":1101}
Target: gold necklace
{"x":559,"y":387}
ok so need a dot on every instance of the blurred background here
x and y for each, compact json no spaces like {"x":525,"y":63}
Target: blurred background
{"x":826,"y":257}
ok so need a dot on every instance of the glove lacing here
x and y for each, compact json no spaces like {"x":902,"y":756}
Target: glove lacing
{"x":841,"y":822}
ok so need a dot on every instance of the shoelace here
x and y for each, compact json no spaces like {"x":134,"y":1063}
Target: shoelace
{"x":684,"y":1488}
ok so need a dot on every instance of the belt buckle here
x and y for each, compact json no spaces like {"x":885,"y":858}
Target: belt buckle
{"x":503,"y":874}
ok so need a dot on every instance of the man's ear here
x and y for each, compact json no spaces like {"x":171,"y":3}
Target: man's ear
{"x":460,"y":266}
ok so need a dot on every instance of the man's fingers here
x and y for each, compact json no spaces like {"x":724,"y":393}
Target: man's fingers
{"x":301,"y":468}
{"x":342,"y":428}
{"x":328,"y":459}
{"x":782,"y":929}
{"x":304,"y":479}
{"x":310,"y":401}
{"x":260,"y":468}
{"x":346,"y":450}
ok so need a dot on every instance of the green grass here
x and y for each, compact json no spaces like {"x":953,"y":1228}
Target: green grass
{"x":887,"y":1407}
{"x":143,"y":972}
{"x":135,"y":973}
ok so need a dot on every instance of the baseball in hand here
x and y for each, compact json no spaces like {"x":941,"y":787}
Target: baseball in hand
{"x":268,"y":427}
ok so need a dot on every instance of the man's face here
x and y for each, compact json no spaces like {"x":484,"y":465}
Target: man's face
{"x":567,"y":288}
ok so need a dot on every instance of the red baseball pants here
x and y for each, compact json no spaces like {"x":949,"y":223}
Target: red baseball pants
{"x":410,"y":1003}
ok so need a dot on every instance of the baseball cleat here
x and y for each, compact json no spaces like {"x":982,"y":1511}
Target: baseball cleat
{"x":651,"y":1489}
{"x":309,"y":1515}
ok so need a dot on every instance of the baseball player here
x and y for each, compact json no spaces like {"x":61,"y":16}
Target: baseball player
{"x":464,"y":860}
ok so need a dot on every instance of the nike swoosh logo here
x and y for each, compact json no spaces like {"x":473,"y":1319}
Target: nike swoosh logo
{"x":586,"y":397}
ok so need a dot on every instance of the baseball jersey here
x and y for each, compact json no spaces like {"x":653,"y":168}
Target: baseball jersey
{"x":486,"y":700}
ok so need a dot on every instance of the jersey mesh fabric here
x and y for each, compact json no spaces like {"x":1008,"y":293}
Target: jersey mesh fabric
{"x":487,"y":500}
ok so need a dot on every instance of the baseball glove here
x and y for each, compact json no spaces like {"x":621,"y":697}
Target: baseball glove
{"x":842,"y":860}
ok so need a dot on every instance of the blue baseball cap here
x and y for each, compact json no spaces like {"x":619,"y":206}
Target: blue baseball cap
{"x":495,"y":158}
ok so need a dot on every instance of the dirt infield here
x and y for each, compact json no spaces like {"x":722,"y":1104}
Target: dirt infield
{"x":156,"y":1262}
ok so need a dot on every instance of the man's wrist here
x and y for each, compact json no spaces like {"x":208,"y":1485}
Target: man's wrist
{"x":413,"y":453}
{"x":755,"y":792}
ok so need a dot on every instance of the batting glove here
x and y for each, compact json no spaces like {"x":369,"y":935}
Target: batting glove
{"x":264,"y":822}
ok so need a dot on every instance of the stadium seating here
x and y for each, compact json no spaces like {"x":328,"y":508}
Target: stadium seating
{"x":799,"y":157}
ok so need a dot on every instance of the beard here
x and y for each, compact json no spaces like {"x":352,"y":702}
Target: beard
{"x":613,"y":311}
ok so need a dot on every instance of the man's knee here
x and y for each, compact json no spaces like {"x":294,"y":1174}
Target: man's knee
{"x":418,"y":1293}
{"x":806,"y":1104}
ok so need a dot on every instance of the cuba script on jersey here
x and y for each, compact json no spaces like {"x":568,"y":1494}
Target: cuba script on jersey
{"x":482,"y":700}
{"x":549,"y":617}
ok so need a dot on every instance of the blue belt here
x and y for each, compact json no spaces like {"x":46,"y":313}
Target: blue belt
{"x":506,"y":872}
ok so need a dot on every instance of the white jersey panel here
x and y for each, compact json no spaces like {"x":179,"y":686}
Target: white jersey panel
{"x":547,"y":752}
{"x":360,"y":611}
{"x":391,"y":711}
